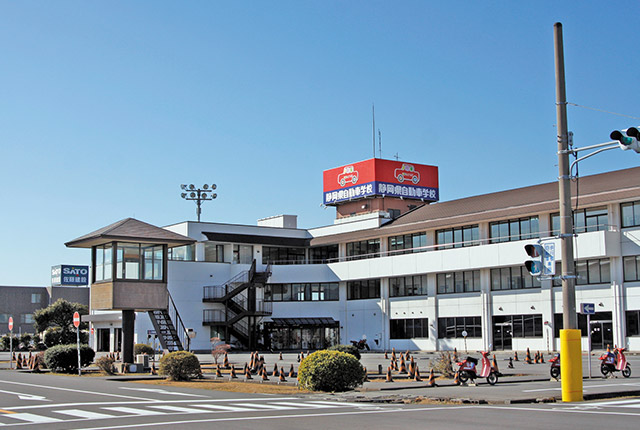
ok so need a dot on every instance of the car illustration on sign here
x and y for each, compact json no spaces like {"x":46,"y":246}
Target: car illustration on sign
{"x":349,"y":174}
{"x":407,"y":173}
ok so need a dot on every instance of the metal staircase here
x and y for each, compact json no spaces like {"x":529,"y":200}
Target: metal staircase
{"x":169,"y":327}
{"x":243,"y":310}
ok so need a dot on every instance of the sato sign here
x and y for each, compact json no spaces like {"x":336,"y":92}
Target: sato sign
{"x":378,"y":177}
{"x":69,"y":275}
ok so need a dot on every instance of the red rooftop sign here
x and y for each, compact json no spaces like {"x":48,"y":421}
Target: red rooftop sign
{"x":378,"y":177}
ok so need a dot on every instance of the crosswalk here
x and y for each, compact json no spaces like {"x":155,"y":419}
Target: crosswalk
{"x":623,"y":403}
{"x":53,"y":414}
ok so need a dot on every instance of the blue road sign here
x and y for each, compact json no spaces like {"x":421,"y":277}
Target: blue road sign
{"x":587,"y":308}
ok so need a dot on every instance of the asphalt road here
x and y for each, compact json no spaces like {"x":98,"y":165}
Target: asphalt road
{"x":66,"y":402}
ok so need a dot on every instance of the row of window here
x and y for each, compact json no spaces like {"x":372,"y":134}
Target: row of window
{"x":133,"y":261}
{"x":24,"y":318}
{"x":312,"y":292}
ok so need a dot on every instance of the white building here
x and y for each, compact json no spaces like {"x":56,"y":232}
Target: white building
{"x":416,"y":281}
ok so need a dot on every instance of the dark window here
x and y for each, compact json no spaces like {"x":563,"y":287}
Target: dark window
{"x":315,"y":292}
{"x":633,"y":323}
{"x":522,"y":325}
{"x":408,"y":286}
{"x":631,"y":268}
{"x":584,"y":220}
{"x":512,"y":278}
{"x":409,"y":328}
{"x":323,"y":254}
{"x":514,"y":229}
{"x":282,"y":255}
{"x":458,"y":282}
{"x":593,"y":271}
{"x":213,"y":252}
{"x":363,"y":249}
{"x":366,"y":289}
{"x":630,"y":214}
{"x":408,"y":243}
{"x":453,"y":327}
{"x":458,"y":237}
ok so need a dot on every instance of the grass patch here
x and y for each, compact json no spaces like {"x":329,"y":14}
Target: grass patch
{"x":235,"y":387}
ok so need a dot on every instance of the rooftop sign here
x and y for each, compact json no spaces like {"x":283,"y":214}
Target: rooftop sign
{"x":74,"y":276}
{"x":378,"y":177}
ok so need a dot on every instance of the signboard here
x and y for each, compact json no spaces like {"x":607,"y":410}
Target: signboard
{"x":10,"y":323}
{"x":74,"y":276}
{"x":549,"y":258}
{"x":76,"y":319}
{"x":587,"y":308}
{"x":378,"y":177}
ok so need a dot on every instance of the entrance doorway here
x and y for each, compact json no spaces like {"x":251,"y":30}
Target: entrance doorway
{"x":502,"y":336}
{"x":601,"y":334}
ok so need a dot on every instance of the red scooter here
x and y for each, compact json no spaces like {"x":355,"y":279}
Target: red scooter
{"x":615,"y":362}
{"x":555,"y":366}
{"x":468,"y":370}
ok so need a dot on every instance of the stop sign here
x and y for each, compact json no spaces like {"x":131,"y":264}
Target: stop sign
{"x":10,"y":323}
{"x":76,"y":319}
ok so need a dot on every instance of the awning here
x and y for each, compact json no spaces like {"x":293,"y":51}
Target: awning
{"x":297,"y":322}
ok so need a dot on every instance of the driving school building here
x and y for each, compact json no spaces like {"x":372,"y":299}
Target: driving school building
{"x":406,"y":272}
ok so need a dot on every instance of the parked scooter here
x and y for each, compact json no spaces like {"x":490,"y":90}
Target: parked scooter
{"x":615,"y":362}
{"x":555,"y":366}
{"x":468,"y":370}
{"x":361,"y":344}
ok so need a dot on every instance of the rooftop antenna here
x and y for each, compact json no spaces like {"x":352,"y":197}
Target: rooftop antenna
{"x":373,"y":115}
{"x":379,"y":144}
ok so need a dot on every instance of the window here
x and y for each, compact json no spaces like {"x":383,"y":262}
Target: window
{"x":631,"y":268}
{"x":522,"y":325}
{"x":213,"y":252}
{"x":458,"y":282}
{"x":512,"y":278}
{"x":452,"y":327}
{"x":409,"y":328}
{"x":558,"y":322}
{"x":104,"y":258}
{"x":128,"y":261}
{"x":410,"y":242}
{"x":323,"y":254}
{"x":182,"y":253}
{"x":593,"y":271}
{"x":514,"y":229}
{"x":26,"y":319}
{"x":363,"y":249}
{"x":633,"y":323}
{"x":367,"y":289}
{"x":243,"y":254}
{"x":4,"y":318}
{"x":630,"y":214}
{"x":314,"y":292}
{"x":153,"y":262}
{"x":458,"y":237}
{"x":584,"y":220}
{"x":280,"y":255}
{"x":408,"y":286}
{"x":36,"y":297}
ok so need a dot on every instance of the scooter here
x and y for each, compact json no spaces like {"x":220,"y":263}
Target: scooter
{"x":467,"y":370}
{"x":361,"y":344}
{"x":615,"y":362}
{"x":555,"y":367}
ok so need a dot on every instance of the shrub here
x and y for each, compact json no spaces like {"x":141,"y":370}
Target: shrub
{"x":5,"y":342}
{"x":56,"y":336}
{"x":106,"y":365}
{"x":25,"y":341}
{"x":349,"y":349}
{"x":142,"y":348}
{"x":64,"y":358}
{"x":180,"y":366}
{"x":330,"y":371}
{"x":442,"y":364}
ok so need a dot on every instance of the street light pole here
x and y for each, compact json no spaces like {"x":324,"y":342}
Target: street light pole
{"x":570,"y":338}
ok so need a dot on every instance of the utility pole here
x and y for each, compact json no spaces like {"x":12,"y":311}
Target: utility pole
{"x":570,"y":337}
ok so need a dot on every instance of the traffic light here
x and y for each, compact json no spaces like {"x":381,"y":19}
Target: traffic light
{"x":534,"y":266}
{"x":628,"y":138}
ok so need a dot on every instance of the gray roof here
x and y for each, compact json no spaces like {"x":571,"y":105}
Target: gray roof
{"x":594,"y":190}
{"x":130,"y":230}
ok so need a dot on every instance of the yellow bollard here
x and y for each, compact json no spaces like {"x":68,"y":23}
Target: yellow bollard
{"x":571,"y":365}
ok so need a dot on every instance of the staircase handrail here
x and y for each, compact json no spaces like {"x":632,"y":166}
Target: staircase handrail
{"x":179,"y":325}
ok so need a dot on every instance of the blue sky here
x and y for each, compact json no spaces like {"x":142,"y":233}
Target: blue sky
{"x":107,"y":107}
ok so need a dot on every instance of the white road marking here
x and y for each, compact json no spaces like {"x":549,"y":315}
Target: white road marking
{"x":262,"y":406}
{"x":305,"y":405}
{"x":161,"y":391}
{"x":32,"y":418}
{"x":23,"y":396}
{"x":181,"y":409}
{"x":133,"y":411}
{"x":222,"y":408}
{"x":79,"y":413}
{"x":49,"y":387}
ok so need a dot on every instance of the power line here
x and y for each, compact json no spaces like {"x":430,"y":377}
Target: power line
{"x":602,"y":110}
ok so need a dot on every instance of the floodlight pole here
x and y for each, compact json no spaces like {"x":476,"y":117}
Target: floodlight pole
{"x":198,"y":195}
{"x":570,"y":337}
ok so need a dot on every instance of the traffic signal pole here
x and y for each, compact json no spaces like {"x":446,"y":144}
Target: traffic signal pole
{"x":570,"y":339}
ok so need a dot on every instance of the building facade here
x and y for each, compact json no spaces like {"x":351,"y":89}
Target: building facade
{"x":435,"y":277}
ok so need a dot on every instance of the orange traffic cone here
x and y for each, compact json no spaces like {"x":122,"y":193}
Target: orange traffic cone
{"x":542,"y":357}
{"x":264,"y":374}
{"x":455,"y":354}
{"x":298,"y":358}
{"x":456,"y":378}
{"x":247,"y":374}
{"x":218,"y":372}
{"x":386,"y":355}
{"x":275,"y":370}
{"x":366,"y":379}
{"x":389,"y":378}
{"x":280,"y":356}
{"x":432,"y":378}
{"x":515,"y":356}
{"x":233,"y":375}
{"x":246,"y":367}
{"x":411,"y":369}
{"x":226,"y":361}
{"x":416,"y":375}
{"x":403,"y":367}
{"x":494,"y":364}
{"x":292,"y":373}
{"x":281,"y":378}
{"x":528,"y":357}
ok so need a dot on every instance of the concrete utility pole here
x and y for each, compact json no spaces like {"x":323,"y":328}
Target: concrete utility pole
{"x":570,"y":338}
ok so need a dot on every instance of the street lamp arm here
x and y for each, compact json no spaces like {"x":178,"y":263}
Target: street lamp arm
{"x":611,"y":146}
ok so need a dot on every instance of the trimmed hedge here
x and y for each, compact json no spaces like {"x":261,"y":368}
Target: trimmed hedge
{"x":330,"y":371}
{"x":180,"y":366}
{"x":142,"y":348}
{"x":349,"y":349}
{"x":64,"y":358}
